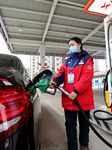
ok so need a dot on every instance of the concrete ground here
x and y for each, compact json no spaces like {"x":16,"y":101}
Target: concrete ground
{"x":53,"y":135}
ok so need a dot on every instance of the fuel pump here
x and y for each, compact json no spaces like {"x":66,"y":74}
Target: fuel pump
{"x":102,"y":115}
{"x":108,"y":78}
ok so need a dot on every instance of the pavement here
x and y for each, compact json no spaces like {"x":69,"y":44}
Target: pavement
{"x":53,"y":135}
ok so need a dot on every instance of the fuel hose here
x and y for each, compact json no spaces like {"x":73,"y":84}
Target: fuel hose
{"x":106,"y":88}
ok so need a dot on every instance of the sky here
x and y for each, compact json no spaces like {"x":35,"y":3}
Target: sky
{"x":4,"y":50}
{"x":25,"y":60}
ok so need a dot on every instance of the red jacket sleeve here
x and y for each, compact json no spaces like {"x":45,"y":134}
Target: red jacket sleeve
{"x":60,"y":77}
{"x":86,"y":77}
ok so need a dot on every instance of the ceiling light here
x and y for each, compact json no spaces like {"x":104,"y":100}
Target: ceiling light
{"x":67,"y":35}
{"x":20,"y":29}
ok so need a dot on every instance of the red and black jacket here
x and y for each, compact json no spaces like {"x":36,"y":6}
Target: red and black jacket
{"x":83,"y":73}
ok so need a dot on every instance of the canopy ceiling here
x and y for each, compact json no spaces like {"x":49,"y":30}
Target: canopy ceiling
{"x":27,"y":24}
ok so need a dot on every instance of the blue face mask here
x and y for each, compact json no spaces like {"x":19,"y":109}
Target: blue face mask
{"x":73,"y":49}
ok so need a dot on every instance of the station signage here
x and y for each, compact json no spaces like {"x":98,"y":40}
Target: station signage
{"x":99,"y":7}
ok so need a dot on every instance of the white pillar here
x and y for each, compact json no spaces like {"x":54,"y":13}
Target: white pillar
{"x":42,"y":55}
{"x":106,"y":24}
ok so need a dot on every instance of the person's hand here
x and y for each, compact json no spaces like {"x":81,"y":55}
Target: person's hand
{"x":50,"y":85}
{"x":72,"y":96}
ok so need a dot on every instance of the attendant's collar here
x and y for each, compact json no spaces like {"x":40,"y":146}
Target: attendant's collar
{"x":78,"y":54}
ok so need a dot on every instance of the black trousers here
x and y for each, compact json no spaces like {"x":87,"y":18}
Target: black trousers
{"x":71,"y":129}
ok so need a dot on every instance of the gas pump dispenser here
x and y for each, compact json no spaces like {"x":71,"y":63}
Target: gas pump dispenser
{"x":108,"y":78}
{"x":102,"y":116}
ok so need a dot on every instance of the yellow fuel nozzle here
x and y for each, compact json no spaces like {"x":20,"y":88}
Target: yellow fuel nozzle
{"x":107,"y":100}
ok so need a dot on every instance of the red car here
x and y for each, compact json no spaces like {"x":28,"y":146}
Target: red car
{"x":20,"y":111}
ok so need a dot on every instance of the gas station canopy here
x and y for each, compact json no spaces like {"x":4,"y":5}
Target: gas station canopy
{"x":28,"y":24}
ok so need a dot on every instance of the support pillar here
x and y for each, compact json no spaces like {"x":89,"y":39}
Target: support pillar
{"x":42,"y":56}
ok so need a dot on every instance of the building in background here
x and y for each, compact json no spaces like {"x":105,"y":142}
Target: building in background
{"x":96,"y":65}
{"x":98,"y":79}
{"x":48,"y":61}
{"x":99,"y":73}
{"x":99,"y":65}
{"x":34,"y":65}
{"x":52,"y":63}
